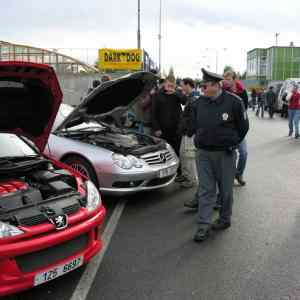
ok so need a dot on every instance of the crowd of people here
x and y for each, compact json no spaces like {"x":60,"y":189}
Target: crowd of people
{"x":207,"y":130}
{"x":265,"y":100}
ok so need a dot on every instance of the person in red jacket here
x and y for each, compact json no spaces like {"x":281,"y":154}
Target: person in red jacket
{"x":294,"y":111}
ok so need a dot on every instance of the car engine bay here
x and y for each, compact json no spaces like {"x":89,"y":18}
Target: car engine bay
{"x":30,"y":197}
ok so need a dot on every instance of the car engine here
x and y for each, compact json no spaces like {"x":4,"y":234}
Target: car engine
{"x":32,"y":197}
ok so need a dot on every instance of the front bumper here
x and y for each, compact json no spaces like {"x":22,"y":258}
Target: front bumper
{"x":122,"y":182}
{"x":14,"y":280}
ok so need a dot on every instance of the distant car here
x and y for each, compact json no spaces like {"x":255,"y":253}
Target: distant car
{"x":285,"y":89}
{"x":49,"y":214}
{"x":96,"y":140}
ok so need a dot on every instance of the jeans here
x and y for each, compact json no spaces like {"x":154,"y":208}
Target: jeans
{"x":243,"y":156}
{"x":294,"y":116}
{"x":188,"y":159}
{"x":260,"y":109}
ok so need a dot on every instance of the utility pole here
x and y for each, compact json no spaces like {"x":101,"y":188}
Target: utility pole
{"x":276,"y":38}
{"x":139,"y":25}
{"x":160,"y":36}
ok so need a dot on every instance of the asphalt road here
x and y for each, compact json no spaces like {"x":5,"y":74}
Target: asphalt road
{"x":152,"y":255}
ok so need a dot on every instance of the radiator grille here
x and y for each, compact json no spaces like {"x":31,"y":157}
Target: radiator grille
{"x":41,"y":259}
{"x":158,"y":158}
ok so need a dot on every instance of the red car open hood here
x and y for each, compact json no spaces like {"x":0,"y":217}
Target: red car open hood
{"x":30,"y":97}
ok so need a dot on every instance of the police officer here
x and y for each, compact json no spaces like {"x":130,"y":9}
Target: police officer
{"x":220,"y":123}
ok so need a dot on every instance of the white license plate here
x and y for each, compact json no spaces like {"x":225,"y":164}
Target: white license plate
{"x":167,"y":172}
{"x":58,"y":271}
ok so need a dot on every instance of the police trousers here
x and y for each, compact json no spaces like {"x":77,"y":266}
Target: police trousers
{"x":215,"y":169}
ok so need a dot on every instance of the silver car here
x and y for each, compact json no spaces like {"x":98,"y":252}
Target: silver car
{"x":97,"y":140}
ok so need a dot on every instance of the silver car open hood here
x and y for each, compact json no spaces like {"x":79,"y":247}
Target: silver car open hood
{"x":111,"y":98}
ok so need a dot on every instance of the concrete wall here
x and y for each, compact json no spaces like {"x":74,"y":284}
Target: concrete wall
{"x":75,"y":86}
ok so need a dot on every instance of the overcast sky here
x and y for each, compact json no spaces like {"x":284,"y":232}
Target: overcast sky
{"x":190,"y":27}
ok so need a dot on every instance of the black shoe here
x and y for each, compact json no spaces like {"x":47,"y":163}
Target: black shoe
{"x":297,"y":136}
{"x":202,"y":234}
{"x":180,"y":178}
{"x":192,"y":204}
{"x":240,"y":180}
{"x":217,"y":206}
{"x":220,"y":225}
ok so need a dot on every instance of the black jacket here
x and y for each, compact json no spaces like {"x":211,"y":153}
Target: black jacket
{"x":185,"y":124}
{"x":219,"y":124}
{"x":167,"y":112}
{"x":245,"y":98}
{"x":271,"y":98}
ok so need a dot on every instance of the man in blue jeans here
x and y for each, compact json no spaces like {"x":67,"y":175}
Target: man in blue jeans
{"x":233,"y":85}
{"x":294,"y":111}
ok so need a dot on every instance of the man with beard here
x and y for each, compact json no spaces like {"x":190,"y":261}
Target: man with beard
{"x":166,"y":114}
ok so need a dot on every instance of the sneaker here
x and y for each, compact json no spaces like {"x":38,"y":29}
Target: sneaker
{"x":240,"y":180}
{"x":290,"y":133}
{"x":192,"y":204}
{"x":297,"y":136}
{"x":220,"y":225}
{"x":202,"y":234}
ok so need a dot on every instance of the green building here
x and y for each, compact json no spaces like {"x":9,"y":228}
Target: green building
{"x":272,"y":64}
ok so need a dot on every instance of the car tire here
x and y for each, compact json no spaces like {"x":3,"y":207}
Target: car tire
{"x":82,"y":166}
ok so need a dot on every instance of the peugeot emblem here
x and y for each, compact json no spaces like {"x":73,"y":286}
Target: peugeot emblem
{"x":60,"y":222}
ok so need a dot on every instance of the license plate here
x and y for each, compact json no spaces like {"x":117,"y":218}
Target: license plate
{"x":167,"y":172}
{"x":58,"y":271}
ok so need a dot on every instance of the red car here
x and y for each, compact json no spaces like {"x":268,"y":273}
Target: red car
{"x":50,"y":217}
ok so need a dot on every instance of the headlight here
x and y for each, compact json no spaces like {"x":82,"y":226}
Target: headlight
{"x":7,"y":230}
{"x":93,"y":197}
{"x":127,"y":162}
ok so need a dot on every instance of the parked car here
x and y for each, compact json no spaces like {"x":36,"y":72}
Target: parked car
{"x":49,"y":214}
{"x":96,"y":139}
{"x":285,"y":89}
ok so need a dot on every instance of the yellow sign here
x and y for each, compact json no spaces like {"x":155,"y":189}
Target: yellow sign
{"x":120,"y":59}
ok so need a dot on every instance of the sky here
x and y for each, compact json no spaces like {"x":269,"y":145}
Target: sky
{"x":195,"y":33}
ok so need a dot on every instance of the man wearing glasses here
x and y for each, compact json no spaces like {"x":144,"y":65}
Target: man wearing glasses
{"x":219,"y":122}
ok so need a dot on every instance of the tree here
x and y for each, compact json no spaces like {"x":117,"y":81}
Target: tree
{"x":171,"y":75}
{"x":228,"y":68}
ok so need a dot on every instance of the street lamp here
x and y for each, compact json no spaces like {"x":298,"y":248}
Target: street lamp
{"x":276,"y":38}
{"x":139,"y":25}
{"x":160,"y":36}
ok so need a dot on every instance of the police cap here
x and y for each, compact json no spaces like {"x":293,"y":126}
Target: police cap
{"x":210,"y":77}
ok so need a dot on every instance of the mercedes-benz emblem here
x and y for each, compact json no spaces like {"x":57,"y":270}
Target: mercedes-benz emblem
{"x":163,"y":158}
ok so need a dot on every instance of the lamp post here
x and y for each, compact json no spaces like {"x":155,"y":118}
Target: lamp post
{"x":276,"y":38}
{"x":160,"y":36}
{"x":139,"y":25}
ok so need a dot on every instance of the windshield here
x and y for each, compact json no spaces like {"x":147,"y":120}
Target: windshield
{"x":12,"y":146}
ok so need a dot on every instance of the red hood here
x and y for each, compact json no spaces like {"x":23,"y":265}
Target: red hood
{"x":30,"y":96}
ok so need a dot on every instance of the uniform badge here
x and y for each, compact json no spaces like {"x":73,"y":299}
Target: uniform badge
{"x":225,"y":117}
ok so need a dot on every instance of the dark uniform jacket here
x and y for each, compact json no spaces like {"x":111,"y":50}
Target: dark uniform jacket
{"x":220,"y":124}
{"x":167,"y":112}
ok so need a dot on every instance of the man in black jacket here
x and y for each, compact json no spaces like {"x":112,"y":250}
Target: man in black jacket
{"x":187,"y":148}
{"x":271,"y":101}
{"x":167,"y":112}
{"x":220,"y":123}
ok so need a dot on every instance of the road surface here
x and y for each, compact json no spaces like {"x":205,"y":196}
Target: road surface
{"x":152,"y":255}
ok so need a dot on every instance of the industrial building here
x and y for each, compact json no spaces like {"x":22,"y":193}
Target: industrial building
{"x":273,"y":64}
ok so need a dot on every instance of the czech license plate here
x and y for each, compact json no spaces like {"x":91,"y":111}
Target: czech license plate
{"x":58,"y":271}
{"x":167,"y":172}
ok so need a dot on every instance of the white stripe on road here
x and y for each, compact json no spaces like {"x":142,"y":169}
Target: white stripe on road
{"x":82,"y":290}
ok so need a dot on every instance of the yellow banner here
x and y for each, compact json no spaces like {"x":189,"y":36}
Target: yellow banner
{"x":120,"y":59}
